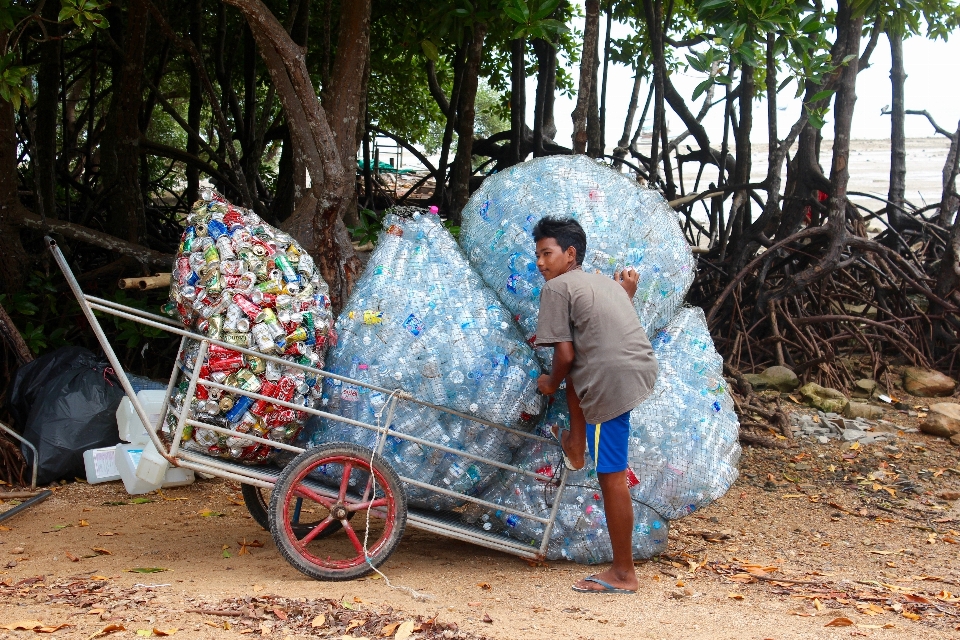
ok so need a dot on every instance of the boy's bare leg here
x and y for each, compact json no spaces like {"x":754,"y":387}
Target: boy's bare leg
{"x":574,"y":441}
{"x":618,"y":507}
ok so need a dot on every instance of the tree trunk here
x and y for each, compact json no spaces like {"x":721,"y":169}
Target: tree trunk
{"x":345,"y":103}
{"x":588,"y":63}
{"x":195,"y":106}
{"x":120,"y":157}
{"x":315,"y":223}
{"x":631,"y":114}
{"x":543,"y":125}
{"x":594,"y":132}
{"x":14,"y":261}
{"x":849,"y":28}
{"x":463,"y":167}
{"x":948,"y":201}
{"x":740,"y":207}
{"x":653,"y":9}
{"x":440,"y":194}
{"x":518,"y":98}
{"x":603,"y":86}
{"x":898,"y":144}
{"x":48,"y":95}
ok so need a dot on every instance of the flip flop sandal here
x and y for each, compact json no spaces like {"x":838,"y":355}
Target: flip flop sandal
{"x":607,"y":587}
{"x":566,"y":460}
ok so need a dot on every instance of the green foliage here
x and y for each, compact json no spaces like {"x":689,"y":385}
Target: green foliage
{"x":533,"y":18}
{"x":85,"y":14}
{"x":13,"y":85}
{"x":14,"y":18}
{"x":371,"y":224}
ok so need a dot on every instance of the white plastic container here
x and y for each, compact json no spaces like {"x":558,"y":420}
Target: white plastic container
{"x":129,"y":457}
{"x":130,"y":426}
{"x":153,"y":467}
{"x":100,"y":465}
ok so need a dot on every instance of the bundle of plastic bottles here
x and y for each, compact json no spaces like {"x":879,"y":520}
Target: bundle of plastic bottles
{"x":626,"y":226}
{"x":683,"y":446}
{"x":579,"y":532}
{"x":682,"y":456}
{"x":421,"y":320}
{"x":238,"y":280}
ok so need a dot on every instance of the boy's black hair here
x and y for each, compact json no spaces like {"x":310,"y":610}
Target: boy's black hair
{"x":566,"y":231}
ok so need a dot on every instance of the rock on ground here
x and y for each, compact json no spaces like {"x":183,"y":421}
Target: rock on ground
{"x":863,"y":410}
{"x":777,"y":378}
{"x":943,"y":420}
{"x":823,"y":398}
{"x":925,"y":383}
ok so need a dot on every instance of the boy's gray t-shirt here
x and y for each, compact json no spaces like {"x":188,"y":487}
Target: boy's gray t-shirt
{"x":614,"y":368}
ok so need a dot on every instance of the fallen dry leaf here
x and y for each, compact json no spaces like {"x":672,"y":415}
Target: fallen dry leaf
{"x":388,"y":630}
{"x":72,"y":557}
{"x":910,"y":616}
{"x":735,"y":596}
{"x":280,"y":613}
{"x":484,"y":585}
{"x":107,"y":630}
{"x":405,"y":630}
{"x":53,"y":628}
{"x":164,"y":632}
{"x":108,"y":533}
{"x":487,"y":618}
{"x":22,"y":625}
{"x":817,"y":604}
{"x":3,"y":528}
{"x":102,"y":552}
{"x":353,"y":624}
{"x":805,"y":614}
{"x":257,"y":588}
{"x":319,"y":621}
{"x":840,"y":622}
{"x":83,"y":523}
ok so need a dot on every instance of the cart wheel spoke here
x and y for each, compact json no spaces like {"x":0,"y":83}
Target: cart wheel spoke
{"x":368,"y":488}
{"x":317,"y":530}
{"x":303,"y":491}
{"x":353,"y":537}
{"x":370,"y":504}
{"x":345,"y":480}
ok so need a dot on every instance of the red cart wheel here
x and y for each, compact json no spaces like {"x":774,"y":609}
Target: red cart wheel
{"x":365,"y":489}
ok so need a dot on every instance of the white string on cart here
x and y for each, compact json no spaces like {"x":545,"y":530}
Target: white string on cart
{"x":382,"y":432}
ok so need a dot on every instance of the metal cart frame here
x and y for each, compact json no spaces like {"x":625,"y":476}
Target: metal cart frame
{"x":268,"y":477}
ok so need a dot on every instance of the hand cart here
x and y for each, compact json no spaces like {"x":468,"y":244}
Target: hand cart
{"x":311,"y":518}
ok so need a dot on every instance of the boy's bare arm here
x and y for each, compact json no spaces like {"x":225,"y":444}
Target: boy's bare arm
{"x":628,"y":279}
{"x":563,"y":356}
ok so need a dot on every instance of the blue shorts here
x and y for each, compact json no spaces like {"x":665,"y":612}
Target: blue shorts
{"x":607,"y":443}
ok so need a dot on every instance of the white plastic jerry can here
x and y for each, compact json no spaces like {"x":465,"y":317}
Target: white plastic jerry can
{"x":143,"y":469}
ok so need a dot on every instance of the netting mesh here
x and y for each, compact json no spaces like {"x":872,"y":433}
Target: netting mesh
{"x":626,"y":225}
{"x":241,"y":281}
{"x":420,"y":319}
{"x":683,"y":445}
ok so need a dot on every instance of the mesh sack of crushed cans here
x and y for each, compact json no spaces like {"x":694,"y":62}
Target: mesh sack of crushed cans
{"x":421,"y":320}
{"x":246,"y":283}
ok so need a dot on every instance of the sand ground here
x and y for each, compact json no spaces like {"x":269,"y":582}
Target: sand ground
{"x":808,"y":535}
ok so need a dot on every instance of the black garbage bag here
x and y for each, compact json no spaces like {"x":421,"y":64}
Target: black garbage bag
{"x":72,"y":399}
{"x":31,"y":378}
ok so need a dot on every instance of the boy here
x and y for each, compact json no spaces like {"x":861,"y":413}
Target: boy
{"x":603,"y":353}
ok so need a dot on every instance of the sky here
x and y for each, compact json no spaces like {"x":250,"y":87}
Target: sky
{"x":932,"y":70}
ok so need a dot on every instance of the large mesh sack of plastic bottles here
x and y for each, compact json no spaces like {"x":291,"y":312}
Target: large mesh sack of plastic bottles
{"x":683,"y":447}
{"x":683,"y":450}
{"x":246,"y":283}
{"x":626,"y":226}
{"x":420,"y":319}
